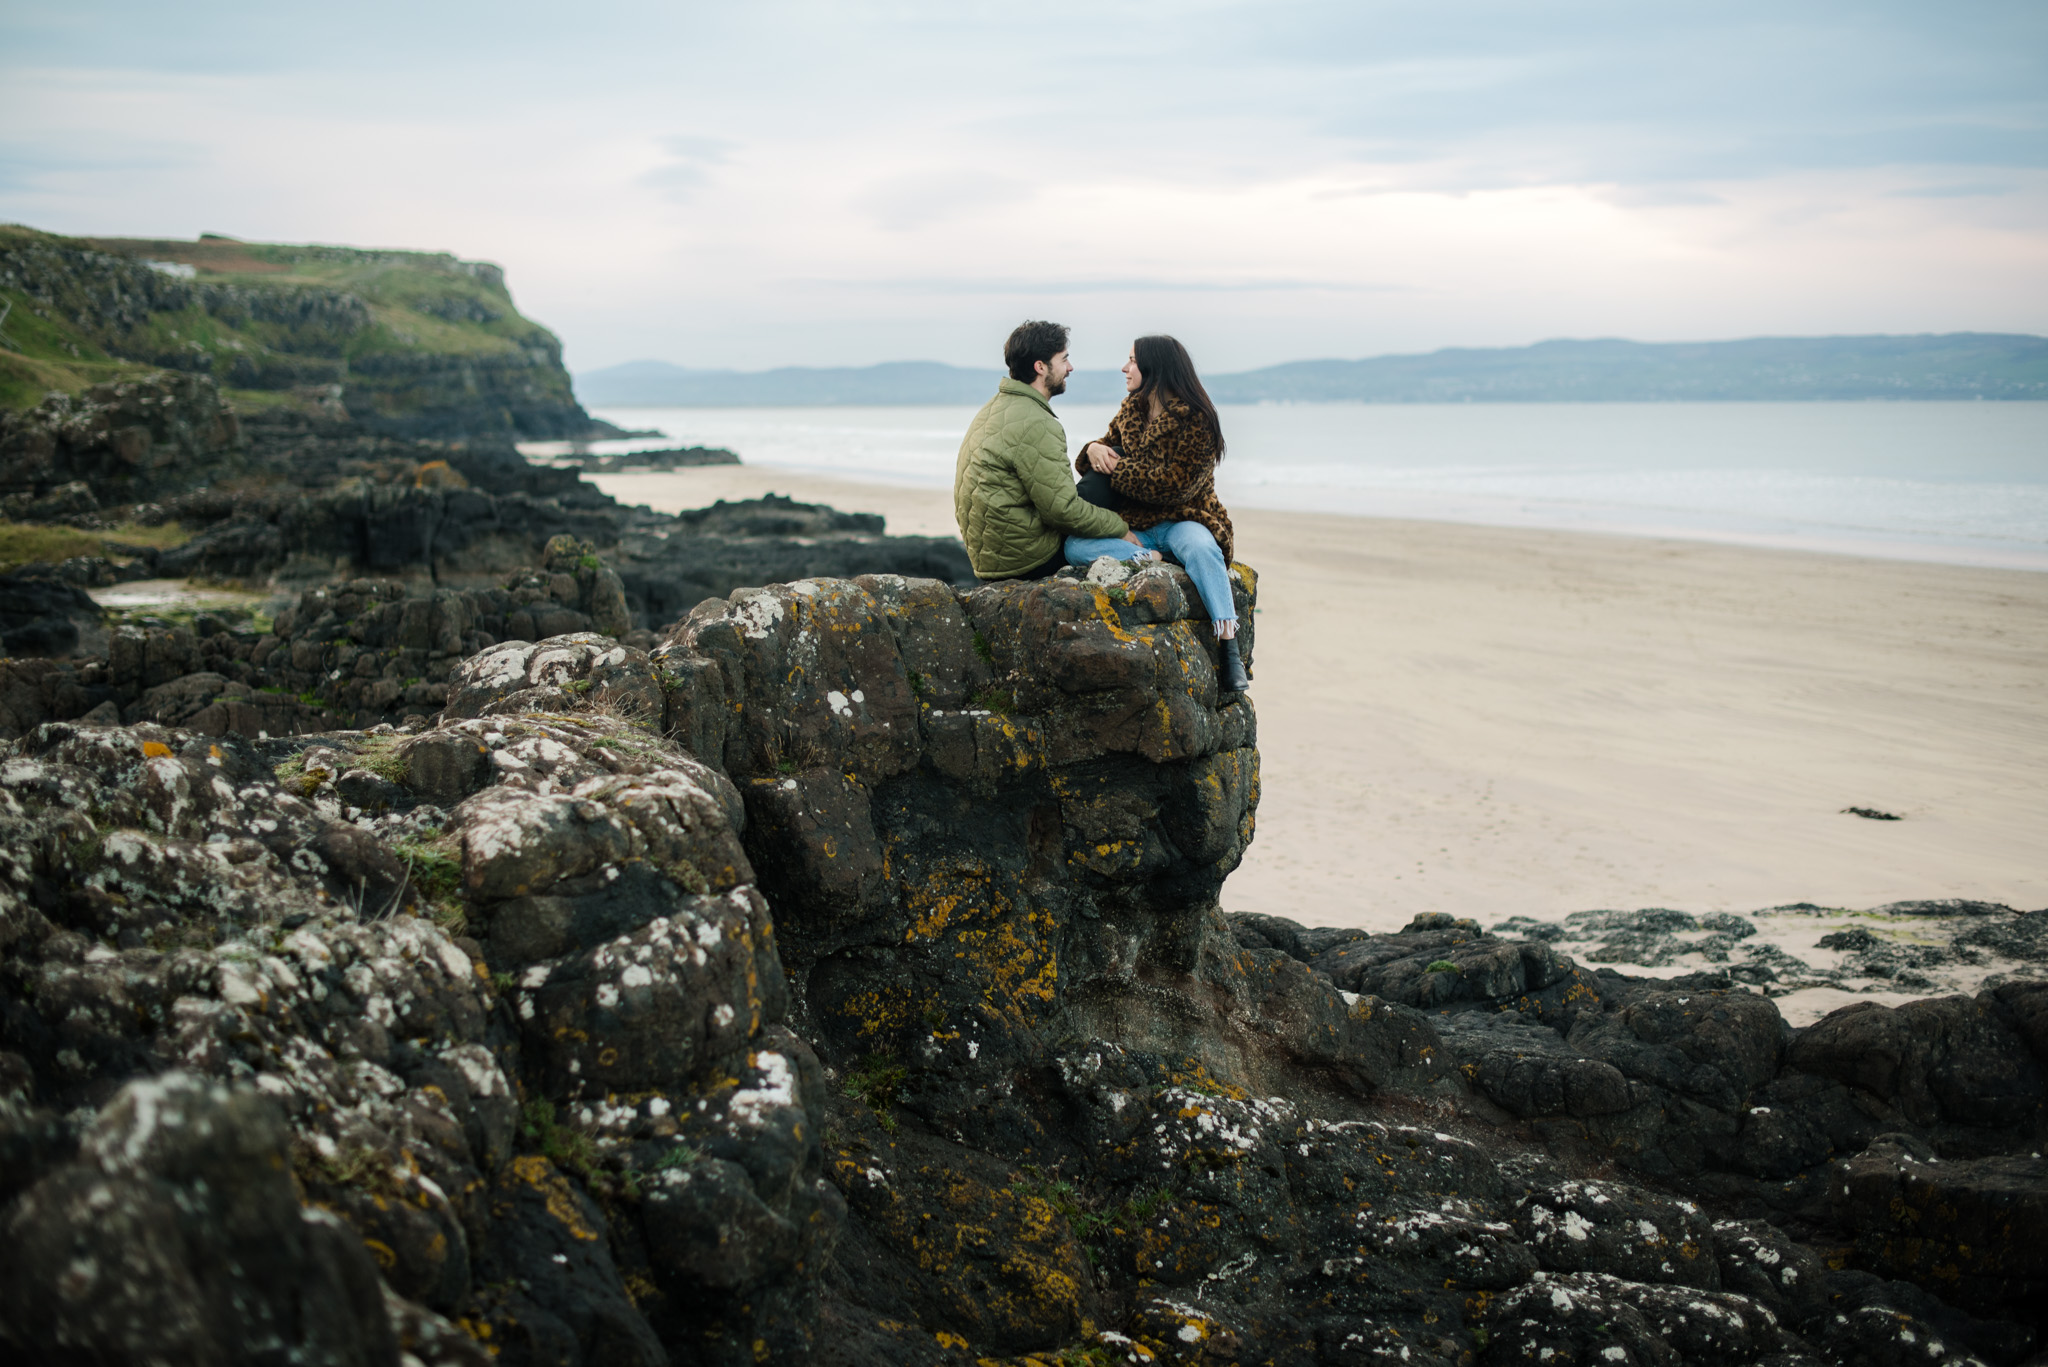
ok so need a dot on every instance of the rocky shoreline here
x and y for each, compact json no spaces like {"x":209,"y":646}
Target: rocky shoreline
{"x":499,"y":959}
{"x":299,"y":503}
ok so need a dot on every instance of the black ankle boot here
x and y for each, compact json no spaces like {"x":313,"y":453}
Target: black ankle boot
{"x":1231,"y":676}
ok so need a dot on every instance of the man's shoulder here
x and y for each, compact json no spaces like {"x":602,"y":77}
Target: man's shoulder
{"x":1018,"y":413}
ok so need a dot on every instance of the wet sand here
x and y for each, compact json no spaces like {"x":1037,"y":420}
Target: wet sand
{"x":1498,"y":721}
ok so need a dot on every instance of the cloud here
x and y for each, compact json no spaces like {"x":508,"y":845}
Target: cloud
{"x":924,"y":198}
{"x":1282,"y":177}
{"x":1011,"y":286}
{"x":28,"y":167}
{"x":1979,"y":189}
{"x":1607,"y":90}
{"x":687,"y":169}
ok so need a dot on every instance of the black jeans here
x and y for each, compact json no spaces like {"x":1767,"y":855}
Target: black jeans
{"x":1094,"y":488}
{"x":1049,"y":568}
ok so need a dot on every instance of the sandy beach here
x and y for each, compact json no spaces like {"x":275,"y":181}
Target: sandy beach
{"x":1496,"y":722}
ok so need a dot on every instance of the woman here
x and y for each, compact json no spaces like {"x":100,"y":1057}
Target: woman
{"x":1159,"y":457}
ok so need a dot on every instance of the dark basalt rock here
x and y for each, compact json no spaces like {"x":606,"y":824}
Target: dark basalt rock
{"x":186,"y":910}
{"x":1932,"y":945}
{"x":44,"y":613}
{"x":843,"y":980}
{"x":301,"y":500}
{"x":177,"y":1236}
{"x":357,"y":653}
{"x":118,"y":443}
{"x":1596,"y":1318}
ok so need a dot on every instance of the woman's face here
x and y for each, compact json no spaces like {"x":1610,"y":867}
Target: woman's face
{"x":1132,"y":377}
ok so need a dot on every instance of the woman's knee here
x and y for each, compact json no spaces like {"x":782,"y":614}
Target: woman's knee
{"x":1193,"y":540}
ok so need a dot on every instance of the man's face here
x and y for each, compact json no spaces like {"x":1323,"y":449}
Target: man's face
{"x":1054,"y":373}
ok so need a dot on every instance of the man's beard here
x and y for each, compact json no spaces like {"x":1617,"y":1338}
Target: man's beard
{"x":1053,"y":386}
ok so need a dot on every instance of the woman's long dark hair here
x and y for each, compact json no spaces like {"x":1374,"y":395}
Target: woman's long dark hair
{"x":1166,"y":369}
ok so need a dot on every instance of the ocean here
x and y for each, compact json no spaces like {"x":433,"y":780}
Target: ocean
{"x":1961,"y":483}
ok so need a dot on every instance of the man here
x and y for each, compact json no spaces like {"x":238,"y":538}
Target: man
{"x":1013,"y":489}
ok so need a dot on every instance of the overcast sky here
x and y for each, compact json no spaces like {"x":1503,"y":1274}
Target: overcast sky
{"x":756,"y":184}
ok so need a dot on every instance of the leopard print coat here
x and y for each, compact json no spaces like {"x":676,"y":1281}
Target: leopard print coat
{"x":1168,"y":470}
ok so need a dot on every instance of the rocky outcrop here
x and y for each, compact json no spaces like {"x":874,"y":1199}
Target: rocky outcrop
{"x":359,"y":653}
{"x":300,"y":501}
{"x":1698,"y":1083}
{"x":673,"y":458}
{"x":843,"y":980}
{"x":435,"y":535}
{"x":409,"y":343}
{"x":1931,"y":946}
{"x":44,"y":612}
{"x":117,"y":443}
{"x":365,"y":507}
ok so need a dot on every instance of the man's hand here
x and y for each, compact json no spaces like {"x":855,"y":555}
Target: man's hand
{"x":1103,"y":458}
{"x":1149,"y":554}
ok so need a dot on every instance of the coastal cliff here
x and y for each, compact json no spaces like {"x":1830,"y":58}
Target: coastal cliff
{"x":841,"y":977}
{"x":405,"y":343}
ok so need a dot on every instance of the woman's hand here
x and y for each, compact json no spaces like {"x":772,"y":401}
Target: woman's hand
{"x":1103,"y":458}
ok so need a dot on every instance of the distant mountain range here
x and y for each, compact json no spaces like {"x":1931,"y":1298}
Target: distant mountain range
{"x":1958,"y":365}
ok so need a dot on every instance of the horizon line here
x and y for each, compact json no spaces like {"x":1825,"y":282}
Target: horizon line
{"x":1359,"y":360}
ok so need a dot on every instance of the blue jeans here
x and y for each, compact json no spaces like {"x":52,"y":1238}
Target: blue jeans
{"x":1188,"y":542}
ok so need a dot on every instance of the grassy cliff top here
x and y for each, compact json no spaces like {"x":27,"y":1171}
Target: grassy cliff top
{"x":446,"y":302}
{"x":272,"y":323}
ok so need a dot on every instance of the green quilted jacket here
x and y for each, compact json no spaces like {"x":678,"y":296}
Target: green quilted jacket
{"x":1013,"y":491}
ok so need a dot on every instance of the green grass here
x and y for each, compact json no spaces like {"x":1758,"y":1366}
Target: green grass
{"x":1085,"y":1355}
{"x":432,"y":863}
{"x":998,"y":700}
{"x":24,"y":380}
{"x":293,"y":778}
{"x":23,"y":543}
{"x":366,"y":1169}
{"x":379,"y":754}
{"x":38,"y":355}
{"x":261,"y":400}
{"x":681,"y":1156}
{"x":628,"y":1182}
{"x":877,"y":1083}
{"x":567,"y":1148}
{"x":1090,"y":1220}
{"x":1441,"y":966}
{"x":237,"y":617}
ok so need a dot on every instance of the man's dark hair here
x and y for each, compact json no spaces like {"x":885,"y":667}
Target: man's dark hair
{"x":1031,"y":343}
